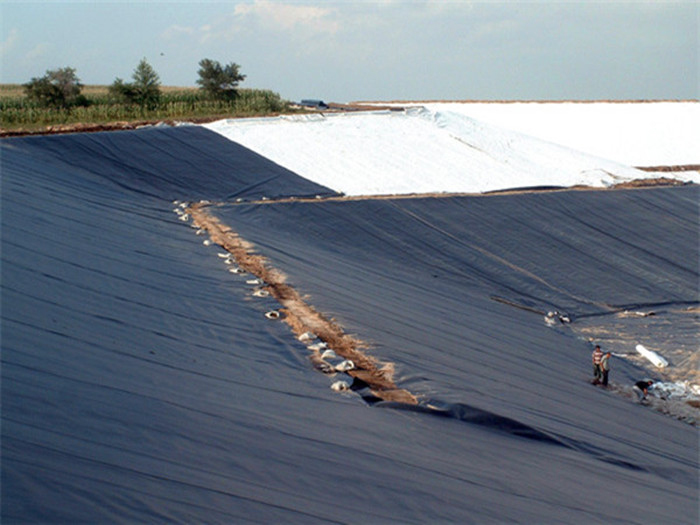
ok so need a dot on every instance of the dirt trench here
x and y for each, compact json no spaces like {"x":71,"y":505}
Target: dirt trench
{"x":301,"y":317}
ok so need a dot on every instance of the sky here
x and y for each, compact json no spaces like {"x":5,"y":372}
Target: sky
{"x":344,"y":51}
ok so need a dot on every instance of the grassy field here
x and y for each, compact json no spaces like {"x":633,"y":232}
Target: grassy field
{"x":177,"y":103}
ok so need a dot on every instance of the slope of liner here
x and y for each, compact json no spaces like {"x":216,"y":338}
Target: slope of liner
{"x":141,"y":381}
{"x":417,"y":277}
{"x":161,"y":162}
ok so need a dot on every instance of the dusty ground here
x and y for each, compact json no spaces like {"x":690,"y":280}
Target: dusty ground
{"x":671,"y":331}
{"x":671,"y":169}
{"x":93,"y":128}
{"x":686,"y":410}
{"x":124,"y":125}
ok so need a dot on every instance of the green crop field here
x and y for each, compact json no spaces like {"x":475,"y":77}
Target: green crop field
{"x":18,"y":113}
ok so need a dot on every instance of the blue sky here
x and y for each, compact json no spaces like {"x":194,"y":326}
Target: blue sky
{"x":382,"y":50}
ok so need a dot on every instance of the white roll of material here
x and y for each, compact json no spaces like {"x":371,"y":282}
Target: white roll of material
{"x":652,"y":356}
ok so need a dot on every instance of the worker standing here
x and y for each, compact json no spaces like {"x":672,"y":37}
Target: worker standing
{"x":597,"y":371}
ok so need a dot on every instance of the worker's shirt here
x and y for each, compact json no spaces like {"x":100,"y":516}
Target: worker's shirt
{"x":597,"y":356}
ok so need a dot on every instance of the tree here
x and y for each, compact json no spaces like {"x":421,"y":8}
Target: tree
{"x":219,"y":81}
{"x":57,"y":88}
{"x":146,"y":84}
{"x":144,"y":90}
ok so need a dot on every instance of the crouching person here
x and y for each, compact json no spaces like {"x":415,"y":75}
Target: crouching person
{"x":641,"y":388}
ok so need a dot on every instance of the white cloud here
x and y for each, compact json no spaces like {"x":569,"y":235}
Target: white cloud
{"x":176,"y":31}
{"x":260,"y":17}
{"x":37,"y":52}
{"x":9,"y":43}
{"x":286,"y":17}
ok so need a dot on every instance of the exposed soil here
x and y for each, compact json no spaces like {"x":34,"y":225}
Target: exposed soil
{"x":302,"y":317}
{"x":687,"y":411}
{"x":619,"y":333}
{"x":58,"y":129}
{"x":677,"y":168}
{"x":650,"y":183}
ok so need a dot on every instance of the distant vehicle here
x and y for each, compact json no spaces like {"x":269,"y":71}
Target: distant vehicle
{"x":316,"y":104}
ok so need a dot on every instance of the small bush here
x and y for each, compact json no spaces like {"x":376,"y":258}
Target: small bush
{"x":58,"y":88}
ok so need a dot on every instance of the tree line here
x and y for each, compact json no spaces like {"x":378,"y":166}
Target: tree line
{"x":61,"y":88}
